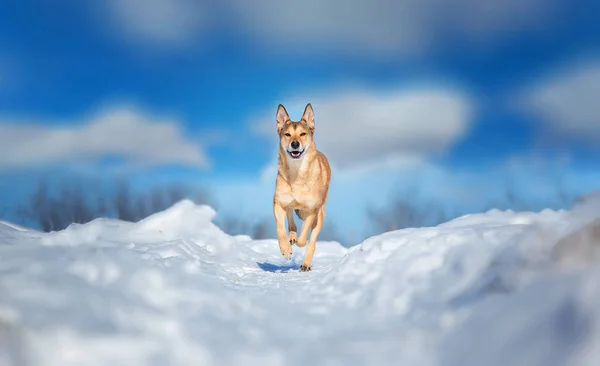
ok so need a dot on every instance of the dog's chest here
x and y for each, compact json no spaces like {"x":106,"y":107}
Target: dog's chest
{"x":298,"y":196}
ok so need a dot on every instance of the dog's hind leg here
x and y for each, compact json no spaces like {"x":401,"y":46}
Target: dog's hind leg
{"x":292,"y":227}
{"x":308,"y":220}
{"x":312,"y":244}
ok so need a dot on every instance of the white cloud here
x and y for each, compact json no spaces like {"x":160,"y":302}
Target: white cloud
{"x":566,"y":102}
{"x":378,"y":27}
{"x":405,"y":26}
{"x":123,"y":132}
{"x":159,"y":22}
{"x":355,"y":127}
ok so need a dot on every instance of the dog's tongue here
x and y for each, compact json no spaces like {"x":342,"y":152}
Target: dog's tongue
{"x":295,"y":153}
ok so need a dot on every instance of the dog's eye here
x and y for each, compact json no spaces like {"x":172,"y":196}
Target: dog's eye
{"x":288,"y":135}
{"x":303,"y":133}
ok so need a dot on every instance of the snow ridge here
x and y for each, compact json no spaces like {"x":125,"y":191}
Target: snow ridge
{"x":174,"y":289}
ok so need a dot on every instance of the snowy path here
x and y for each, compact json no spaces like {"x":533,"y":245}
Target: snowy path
{"x":175,"y":290}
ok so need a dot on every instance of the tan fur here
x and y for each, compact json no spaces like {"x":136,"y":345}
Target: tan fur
{"x":301,"y":187}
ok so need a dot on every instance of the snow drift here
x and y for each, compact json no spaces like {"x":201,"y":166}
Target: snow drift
{"x":499,"y":288}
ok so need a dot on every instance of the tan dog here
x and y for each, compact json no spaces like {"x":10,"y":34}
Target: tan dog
{"x":302,"y":184}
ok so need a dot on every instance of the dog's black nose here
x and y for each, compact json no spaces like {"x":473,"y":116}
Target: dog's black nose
{"x":295,"y":144}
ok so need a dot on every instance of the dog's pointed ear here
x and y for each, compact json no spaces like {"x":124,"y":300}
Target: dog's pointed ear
{"x":309,"y":116}
{"x":282,"y":117}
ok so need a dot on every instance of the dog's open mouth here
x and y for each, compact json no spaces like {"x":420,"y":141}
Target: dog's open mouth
{"x":295,"y":154}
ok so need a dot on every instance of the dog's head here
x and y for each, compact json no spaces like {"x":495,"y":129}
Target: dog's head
{"x":296,"y":137}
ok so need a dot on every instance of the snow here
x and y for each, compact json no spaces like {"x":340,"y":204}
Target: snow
{"x":497,"y":288}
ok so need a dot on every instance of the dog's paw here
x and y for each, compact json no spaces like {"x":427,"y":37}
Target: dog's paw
{"x":293,"y":237}
{"x":286,"y":249}
{"x":305,"y":268}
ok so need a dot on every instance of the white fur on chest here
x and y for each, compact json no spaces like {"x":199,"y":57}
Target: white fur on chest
{"x":301,"y":195}
{"x":294,"y":166}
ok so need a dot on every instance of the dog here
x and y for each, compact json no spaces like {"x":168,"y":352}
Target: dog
{"x":302,"y":184}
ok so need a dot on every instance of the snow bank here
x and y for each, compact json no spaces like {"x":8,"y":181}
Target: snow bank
{"x":489,"y":289}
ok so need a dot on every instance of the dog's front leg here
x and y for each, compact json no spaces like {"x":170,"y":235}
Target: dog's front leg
{"x":306,"y":226}
{"x":284,"y":244}
{"x":312,"y":244}
{"x":292,"y":226}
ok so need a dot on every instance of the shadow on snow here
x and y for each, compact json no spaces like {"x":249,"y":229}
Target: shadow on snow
{"x":272,"y":267}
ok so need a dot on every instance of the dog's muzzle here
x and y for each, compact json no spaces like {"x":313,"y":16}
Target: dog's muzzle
{"x":295,"y":154}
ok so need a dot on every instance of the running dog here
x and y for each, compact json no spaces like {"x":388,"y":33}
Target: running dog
{"x":302,"y":184}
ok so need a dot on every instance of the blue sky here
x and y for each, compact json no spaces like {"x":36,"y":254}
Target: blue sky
{"x":454,"y":98}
